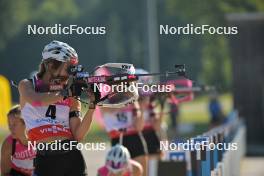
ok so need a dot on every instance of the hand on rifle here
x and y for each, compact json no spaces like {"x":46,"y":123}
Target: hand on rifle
{"x":94,"y":95}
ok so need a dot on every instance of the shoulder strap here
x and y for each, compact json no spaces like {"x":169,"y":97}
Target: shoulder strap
{"x":13,"y":146}
{"x":33,"y":81}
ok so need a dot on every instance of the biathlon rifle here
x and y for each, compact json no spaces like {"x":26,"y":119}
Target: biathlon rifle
{"x":81,"y":80}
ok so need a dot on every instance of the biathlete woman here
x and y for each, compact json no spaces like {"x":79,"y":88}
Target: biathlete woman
{"x":124,"y":126}
{"x":55,"y":117}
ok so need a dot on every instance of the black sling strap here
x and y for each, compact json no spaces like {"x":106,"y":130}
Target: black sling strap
{"x":13,"y":146}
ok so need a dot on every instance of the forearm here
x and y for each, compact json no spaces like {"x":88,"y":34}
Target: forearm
{"x":139,"y":122}
{"x":46,"y":98}
{"x":157,"y":122}
{"x":139,"y":125}
{"x":5,"y":158}
{"x":84,"y":126}
{"x":28,"y":94}
{"x":5,"y":170}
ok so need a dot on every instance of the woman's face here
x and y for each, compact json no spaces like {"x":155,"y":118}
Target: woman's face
{"x":62,"y":72}
{"x":16,"y":126}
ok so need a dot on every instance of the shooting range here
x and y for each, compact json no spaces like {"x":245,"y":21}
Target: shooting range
{"x":54,"y":54}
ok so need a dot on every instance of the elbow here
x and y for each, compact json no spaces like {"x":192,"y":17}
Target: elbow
{"x":138,"y":171}
{"x":27,"y":94}
{"x":79,"y":137}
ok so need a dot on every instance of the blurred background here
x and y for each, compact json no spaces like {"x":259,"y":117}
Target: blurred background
{"x":234,"y":64}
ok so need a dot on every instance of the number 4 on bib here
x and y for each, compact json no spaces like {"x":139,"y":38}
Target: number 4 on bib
{"x":51,"y":112}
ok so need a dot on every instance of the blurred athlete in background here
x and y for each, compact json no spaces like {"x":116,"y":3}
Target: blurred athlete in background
{"x":119,"y":163}
{"x":124,"y":125}
{"x":16,"y":159}
{"x":151,"y":118}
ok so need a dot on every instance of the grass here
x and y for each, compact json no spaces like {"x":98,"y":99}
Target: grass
{"x":96,"y":134}
{"x":197,"y":110}
{"x":196,"y":115}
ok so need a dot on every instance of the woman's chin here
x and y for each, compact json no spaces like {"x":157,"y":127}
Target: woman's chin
{"x":13,"y":135}
{"x":64,"y":82}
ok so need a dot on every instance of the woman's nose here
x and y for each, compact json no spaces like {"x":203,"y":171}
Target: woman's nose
{"x":64,"y":73}
{"x":12,"y":128}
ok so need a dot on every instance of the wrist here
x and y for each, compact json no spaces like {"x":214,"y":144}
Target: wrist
{"x":92,"y":106}
{"x":59,"y":96}
{"x":64,"y":94}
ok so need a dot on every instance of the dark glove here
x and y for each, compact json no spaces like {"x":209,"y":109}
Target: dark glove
{"x":77,"y":89}
{"x":95,"y":93}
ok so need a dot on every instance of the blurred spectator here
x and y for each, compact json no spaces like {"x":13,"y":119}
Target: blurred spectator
{"x":174,"y":112}
{"x":215,"y":110}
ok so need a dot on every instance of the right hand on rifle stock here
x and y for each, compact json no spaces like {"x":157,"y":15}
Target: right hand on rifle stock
{"x":94,"y":95}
